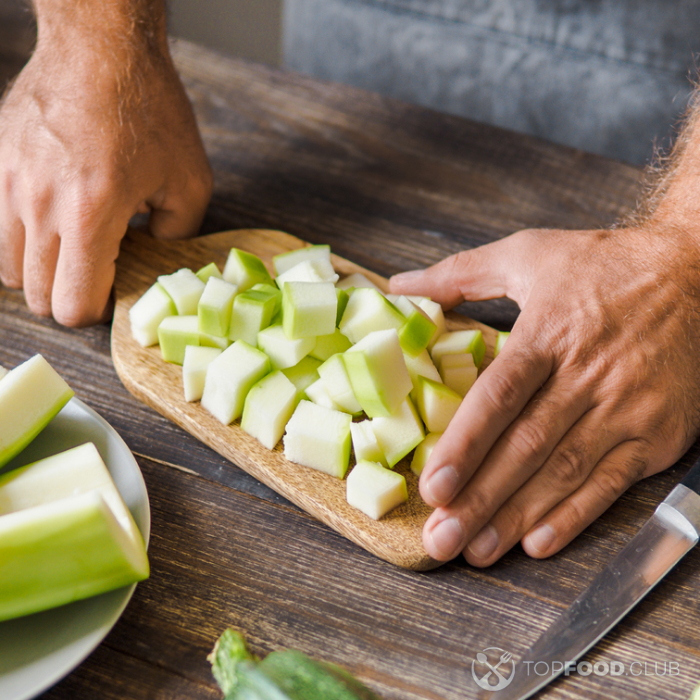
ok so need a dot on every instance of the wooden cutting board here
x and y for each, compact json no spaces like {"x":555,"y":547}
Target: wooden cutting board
{"x":396,"y":537}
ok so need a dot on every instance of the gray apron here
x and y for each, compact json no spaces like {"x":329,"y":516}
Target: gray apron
{"x":607,"y":76}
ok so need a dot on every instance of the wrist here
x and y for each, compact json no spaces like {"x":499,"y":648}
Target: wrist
{"x":678,"y":214}
{"x":673,"y":201}
{"x":115,"y":30}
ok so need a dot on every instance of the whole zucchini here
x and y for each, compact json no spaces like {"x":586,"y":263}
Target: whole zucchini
{"x":282,"y":675}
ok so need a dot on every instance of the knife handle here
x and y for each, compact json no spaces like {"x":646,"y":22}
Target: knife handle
{"x":692,"y":479}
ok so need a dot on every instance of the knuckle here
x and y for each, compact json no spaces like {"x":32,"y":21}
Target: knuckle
{"x":572,"y":515}
{"x":512,"y":521}
{"x":571,"y":462}
{"x":526,"y":237}
{"x":529,"y":440}
{"x":460,"y":262}
{"x":477,"y":503}
{"x":504,"y":389}
{"x":503,"y":392}
{"x":454,"y":268}
{"x":610,"y":483}
{"x":39,"y":202}
{"x":99,"y":185}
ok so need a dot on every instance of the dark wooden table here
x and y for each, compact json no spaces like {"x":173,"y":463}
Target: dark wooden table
{"x":393,"y":187}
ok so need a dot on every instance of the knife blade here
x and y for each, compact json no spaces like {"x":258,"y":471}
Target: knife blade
{"x":665,"y":538}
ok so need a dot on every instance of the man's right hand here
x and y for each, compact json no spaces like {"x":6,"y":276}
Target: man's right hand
{"x":96,"y":128}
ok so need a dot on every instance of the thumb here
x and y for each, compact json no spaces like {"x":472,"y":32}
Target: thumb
{"x":499,"y":269}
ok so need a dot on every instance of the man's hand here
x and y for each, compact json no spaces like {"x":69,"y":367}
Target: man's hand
{"x":596,"y":388}
{"x":96,"y":128}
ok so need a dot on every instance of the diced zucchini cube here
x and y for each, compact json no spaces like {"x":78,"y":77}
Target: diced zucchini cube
{"x":458,"y":371}
{"x":308,"y":271}
{"x":415,"y":335}
{"x":335,"y":378}
{"x":213,"y":341}
{"x":357,"y":281}
{"x":421,"y":366}
{"x":273,"y":291}
{"x":437,"y":404}
{"x":396,"y":300}
{"x":309,"y":309}
{"x":252,"y":311}
{"x":364,"y":443}
{"x":378,"y":373}
{"x":304,"y":374}
{"x":175,"y":333}
{"x":268,"y":407}
{"x":423,"y":452}
{"x":245,"y":270}
{"x":329,"y":345}
{"x":500,"y":341}
{"x":398,"y":433}
{"x":458,"y":359}
{"x":460,"y":342}
{"x":437,"y":316}
{"x":194,"y":370}
{"x":147,"y":313}
{"x":375,"y":490}
{"x":319,"y":438}
{"x":283,"y":351}
{"x":459,"y":378}
{"x":208,"y":271}
{"x":229,"y":379}
{"x":286,"y":261}
{"x":215,"y":306}
{"x":185,"y":289}
{"x":318,"y":394}
{"x":369,"y":311}
{"x":343,"y":299}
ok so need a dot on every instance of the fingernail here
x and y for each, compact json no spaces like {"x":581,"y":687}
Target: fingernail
{"x":442,"y":485}
{"x":484,"y":544}
{"x":541,"y":538}
{"x":409,"y":276}
{"x":447,"y":537}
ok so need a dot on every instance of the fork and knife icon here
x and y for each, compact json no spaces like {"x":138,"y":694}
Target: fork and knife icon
{"x":483,"y":659}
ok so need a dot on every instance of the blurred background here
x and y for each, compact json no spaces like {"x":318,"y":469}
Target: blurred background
{"x":611,"y":77}
{"x":246,"y":28}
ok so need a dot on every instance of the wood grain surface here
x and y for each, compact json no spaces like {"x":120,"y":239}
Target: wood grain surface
{"x":393,"y":187}
{"x":397,"y":536}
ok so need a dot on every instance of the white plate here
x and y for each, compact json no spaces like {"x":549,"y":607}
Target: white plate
{"x":38,"y":650}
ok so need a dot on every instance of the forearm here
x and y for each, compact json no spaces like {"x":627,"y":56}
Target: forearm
{"x":113,"y":54}
{"x":105,"y":45}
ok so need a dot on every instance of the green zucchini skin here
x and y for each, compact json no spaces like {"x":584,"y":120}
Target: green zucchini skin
{"x":282,"y":675}
{"x":227,"y":659}
{"x":303,"y":678}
